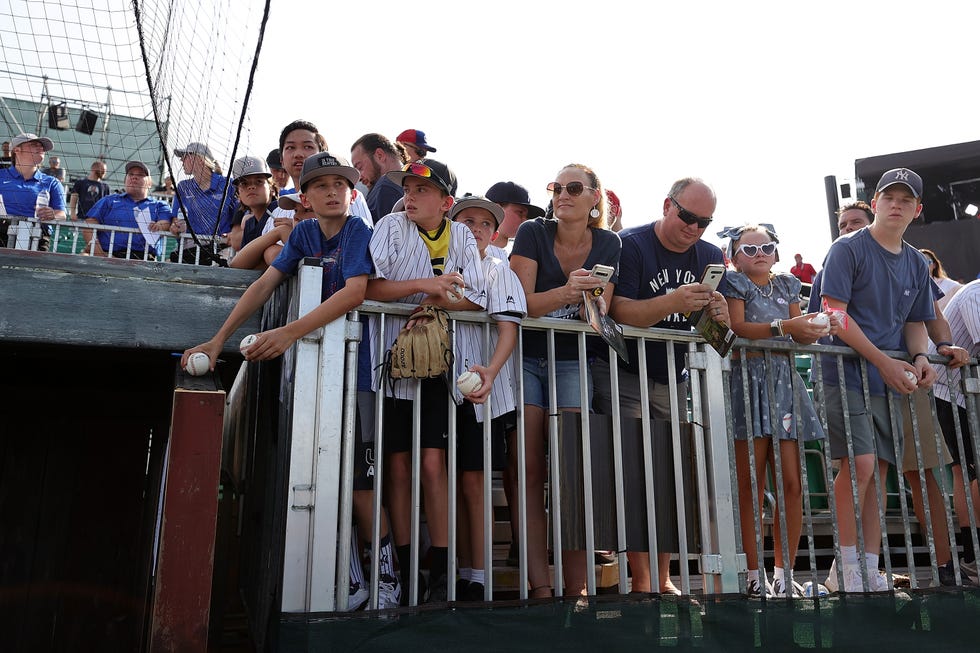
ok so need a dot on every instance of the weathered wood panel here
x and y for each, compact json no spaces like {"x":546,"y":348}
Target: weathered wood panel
{"x":83,"y":300}
{"x":182,"y":597}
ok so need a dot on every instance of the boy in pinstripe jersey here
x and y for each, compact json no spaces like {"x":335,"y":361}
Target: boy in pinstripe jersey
{"x":421,"y":257}
{"x":497,"y":394}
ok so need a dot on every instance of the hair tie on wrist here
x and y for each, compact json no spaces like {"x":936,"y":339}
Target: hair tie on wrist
{"x":921,"y":353}
{"x":944,"y":344}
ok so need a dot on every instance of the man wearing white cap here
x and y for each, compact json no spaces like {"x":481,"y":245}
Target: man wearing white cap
{"x":21,"y":183}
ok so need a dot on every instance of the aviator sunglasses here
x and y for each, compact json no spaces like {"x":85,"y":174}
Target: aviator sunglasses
{"x":689,"y":218}
{"x":574,"y":188}
{"x":753,"y":250}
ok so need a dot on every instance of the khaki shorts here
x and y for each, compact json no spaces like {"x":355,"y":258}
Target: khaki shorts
{"x":931,"y":457}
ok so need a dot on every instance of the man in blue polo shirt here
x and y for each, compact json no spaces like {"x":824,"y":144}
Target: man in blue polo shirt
{"x":133,"y":209}
{"x":21,"y":183}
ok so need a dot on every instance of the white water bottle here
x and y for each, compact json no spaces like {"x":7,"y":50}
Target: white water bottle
{"x":43,"y":198}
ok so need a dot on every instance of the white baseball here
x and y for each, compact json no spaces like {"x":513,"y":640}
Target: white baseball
{"x":455,"y":293}
{"x":820,"y":319}
{"x":912,"y":377}
{"x":198,"y":364}
{"x":469,"y":382}
{"x":247,"y":342}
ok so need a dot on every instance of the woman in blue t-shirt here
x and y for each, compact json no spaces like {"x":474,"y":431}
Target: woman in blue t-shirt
{"x":553,"y":259}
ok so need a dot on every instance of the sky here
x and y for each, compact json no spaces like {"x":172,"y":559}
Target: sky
{"x":760,"y":99}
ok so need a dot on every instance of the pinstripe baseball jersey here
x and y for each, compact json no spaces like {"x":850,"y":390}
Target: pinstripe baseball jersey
{"x":505,"y":303}
{"x":963,"y":314}
{"x":400,"y":255}
{"x":499,"y":253}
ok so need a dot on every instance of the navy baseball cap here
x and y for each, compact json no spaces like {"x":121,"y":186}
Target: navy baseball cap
{"x":901,"y":176}
{"x":430,"y":170}
{"x":415,"y":137}
{"x":509,"y":192}
{"x":274,"y":160}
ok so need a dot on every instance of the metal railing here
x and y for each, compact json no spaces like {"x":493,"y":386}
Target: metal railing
{"x":74,"y":237}
{"x":321,"y":369}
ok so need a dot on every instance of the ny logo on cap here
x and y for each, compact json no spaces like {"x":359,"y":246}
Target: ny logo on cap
{"x":902,"y":174}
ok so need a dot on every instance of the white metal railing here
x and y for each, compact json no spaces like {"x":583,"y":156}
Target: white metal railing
{"x":74,"y":237}
{"x":317,"y":538}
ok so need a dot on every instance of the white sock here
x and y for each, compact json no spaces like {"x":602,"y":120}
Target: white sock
{"x":478,"y":576}
{"x":466,"y":573}
{"x":872,"y":559}
{"x":778,"y":573}
{"x":753,"y":574}
{"x":849,"y":556}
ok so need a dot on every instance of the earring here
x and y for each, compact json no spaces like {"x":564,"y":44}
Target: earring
{"x":594,"y":213}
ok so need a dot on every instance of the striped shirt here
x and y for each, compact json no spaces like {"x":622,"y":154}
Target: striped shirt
{"x":963,"y":314}
{"x":400,"y":255}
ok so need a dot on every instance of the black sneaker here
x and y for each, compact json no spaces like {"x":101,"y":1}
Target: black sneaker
{"x":438,"y":592}
{"x":474,"y":592}
{"x":947,"y":577}
{"x":423,"y":587}
{"x":461,"y":585}
{"x":513,"y":555}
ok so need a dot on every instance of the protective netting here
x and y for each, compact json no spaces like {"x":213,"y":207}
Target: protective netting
{"x":118,"y":80}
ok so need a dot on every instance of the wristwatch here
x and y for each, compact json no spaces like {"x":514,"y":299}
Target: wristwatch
{"x":776,"y":328}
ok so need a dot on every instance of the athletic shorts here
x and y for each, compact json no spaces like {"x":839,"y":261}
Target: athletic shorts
{"x":869,"y":429}
{"x":435,"y":418}
{"x":469,"y":440}
{"x":629,"y":395}
{"x":931,"y":456}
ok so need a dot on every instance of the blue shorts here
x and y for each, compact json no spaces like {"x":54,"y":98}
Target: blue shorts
{"x":567,"y":377}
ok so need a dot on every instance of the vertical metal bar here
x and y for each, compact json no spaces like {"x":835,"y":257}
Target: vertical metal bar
{"x":487,"y":516}
{"x":521,"y":497}
{"x":554,"y":481}
{"x":416,"y":492}
{"x":646,"y":428}
{"x":675,"y":432}
{"x":619,"y":480}
{"x":453,"y":477}
{"x":586,"y":444}
{"x":377,"y":507}
{"x":352,"y":337}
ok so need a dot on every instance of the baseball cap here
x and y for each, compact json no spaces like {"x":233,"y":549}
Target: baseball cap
{"x":415,"y":137}
{"x":274,"y":160}
{"x":430,"y":169}
{"x":195,"y":148}
{"x":289,"y":202}
{"x":901,"y":176}
{"x":325,"y":163}
{"x":137,"y":164}
{"x":475,"y":201}
{"x":20,"y":139}
{"x":508,"y":192}
{"x":249,"y":165}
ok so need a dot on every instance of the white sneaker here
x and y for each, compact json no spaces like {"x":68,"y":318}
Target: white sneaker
{"x":754,"y":589}
{"x":389,"y":592}
{"x":878,"y":582}
{"x":358,"y":596}
{"x":781,"y":589}
{"x":852,"y":580}
{"x":831,"y":581}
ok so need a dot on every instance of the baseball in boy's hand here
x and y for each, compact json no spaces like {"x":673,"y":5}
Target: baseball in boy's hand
{"x":820,"y":319}
{"x":912,"y":377}
{"x":455,"y":293}
{"x":198,"y":364}
{"x":247,"y":342}
{"x":469,"y":382}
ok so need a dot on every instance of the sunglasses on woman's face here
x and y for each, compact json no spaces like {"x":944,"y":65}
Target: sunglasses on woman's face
{"x":753,"y":250}
{"x":574,"y":188}
{"x":690,"y":218}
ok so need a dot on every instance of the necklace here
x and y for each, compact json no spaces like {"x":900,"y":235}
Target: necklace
{"x":763,"y":289}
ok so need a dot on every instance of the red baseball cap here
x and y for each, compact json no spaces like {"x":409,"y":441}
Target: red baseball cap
{"x":415,"y":137}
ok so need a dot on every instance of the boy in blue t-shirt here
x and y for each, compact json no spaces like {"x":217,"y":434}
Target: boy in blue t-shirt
{"x":883,"y":284}
{"x":341,"y":242}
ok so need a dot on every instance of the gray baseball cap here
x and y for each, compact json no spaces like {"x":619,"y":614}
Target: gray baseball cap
{"x":137,"y":164}
{"x":475,"y":201}
{"x":249,"y":165}
{"x":20,"y":139}
{"x":195,"y":148}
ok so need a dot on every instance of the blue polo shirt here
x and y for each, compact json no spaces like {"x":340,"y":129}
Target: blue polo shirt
{"x":121,"y":211}
{"x":20,"y":195}
{"x":203,"y":206}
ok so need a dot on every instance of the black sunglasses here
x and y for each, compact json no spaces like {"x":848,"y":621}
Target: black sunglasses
{"x":574,"y":188}
{"x":690,"y":218}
